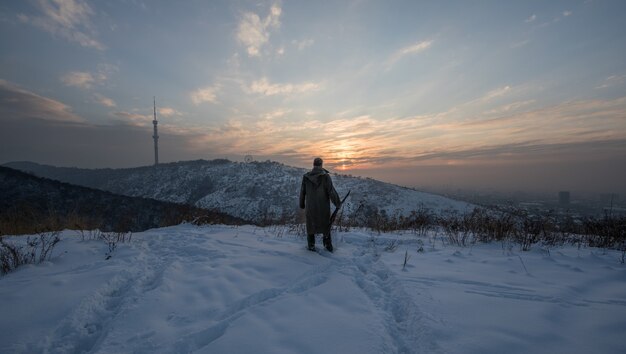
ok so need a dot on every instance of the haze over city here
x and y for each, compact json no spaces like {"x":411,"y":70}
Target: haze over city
{"x":506,"y":95}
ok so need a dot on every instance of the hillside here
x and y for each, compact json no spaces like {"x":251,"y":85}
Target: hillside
{"x":255,"y":191}
{"x":30,"y":204}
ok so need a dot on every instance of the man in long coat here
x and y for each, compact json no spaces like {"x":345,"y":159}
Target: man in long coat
{"x":315,"y":193}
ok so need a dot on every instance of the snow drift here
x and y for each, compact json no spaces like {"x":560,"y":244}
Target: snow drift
{"x":227,"y":289}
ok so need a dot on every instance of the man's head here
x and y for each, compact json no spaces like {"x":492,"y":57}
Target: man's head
{"x":318,"y":162}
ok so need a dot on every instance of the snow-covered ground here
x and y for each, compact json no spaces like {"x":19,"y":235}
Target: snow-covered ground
{"x":223,"y":289}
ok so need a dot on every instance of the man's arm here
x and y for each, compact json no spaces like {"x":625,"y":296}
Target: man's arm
{"x":302,"y":194}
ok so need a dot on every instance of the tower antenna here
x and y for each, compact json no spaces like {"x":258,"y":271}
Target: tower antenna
{"x":155,"y":136}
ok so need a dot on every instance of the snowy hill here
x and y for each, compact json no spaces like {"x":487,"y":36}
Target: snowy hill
{"x":253,"y":191}
{"x":30,"y":204}
{"x":224,"y":289}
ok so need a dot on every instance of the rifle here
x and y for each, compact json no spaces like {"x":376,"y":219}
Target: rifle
{"x":334,"y":216}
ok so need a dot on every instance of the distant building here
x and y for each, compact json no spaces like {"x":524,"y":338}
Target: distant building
{"x":564,"y":197}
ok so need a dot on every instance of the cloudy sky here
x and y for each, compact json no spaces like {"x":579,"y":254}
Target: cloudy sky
{"x":528,"y":95}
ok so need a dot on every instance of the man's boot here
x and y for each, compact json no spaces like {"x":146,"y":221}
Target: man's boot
{"x":310,"y":240}
{"x":327,"y":242}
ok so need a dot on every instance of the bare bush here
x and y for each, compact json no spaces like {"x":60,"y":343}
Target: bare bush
{"x":421,"y":221}
{"x":112,"y":239}
{"x":507,"y":225}
{"x":36,"y":250}
{"x":391,"y":246}
{"x":458,"y":229}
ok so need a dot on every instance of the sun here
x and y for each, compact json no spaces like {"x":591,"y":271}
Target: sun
{"x":344,"y":155}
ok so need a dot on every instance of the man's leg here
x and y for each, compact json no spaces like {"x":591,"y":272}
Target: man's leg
{"x":310,"y":239}
{"x":328,"y":244}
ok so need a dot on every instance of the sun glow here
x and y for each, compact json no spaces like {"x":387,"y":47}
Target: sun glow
{"x":344,"y":156}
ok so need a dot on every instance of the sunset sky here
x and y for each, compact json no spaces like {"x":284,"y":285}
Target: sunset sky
{"x":527,"y":95}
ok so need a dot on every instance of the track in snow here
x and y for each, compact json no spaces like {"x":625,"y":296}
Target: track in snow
{"x":240,"y":289}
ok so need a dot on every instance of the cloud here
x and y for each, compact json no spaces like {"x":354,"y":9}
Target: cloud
{"x":567,"y":13}
{"x":302,"y":44}
{"x":278,"y":113}
{"x":511,"y":107}
{"x":85,"y":80}
{"x":500,"y":100}
{"x":68,"y":19}
{"x":105,"y":71}
{"x":168,"y":112}
{"x":499,"y":92}
{"x":563,"y":123}
{"x":415,"y":48}
{"x":273,"y":19}
{"x":408,"y":50}
{"x":105,"y":101}
{"x":254,"y":32}
{"x":532,"y":18}
{"x":266,"y":88}
{"x":17,"y":103}
{"x":369,"y":142}
{"x":612,"y":81}
{"x":78,"y":79}
{"x":206,"y":94}
{"x":135,"y":119}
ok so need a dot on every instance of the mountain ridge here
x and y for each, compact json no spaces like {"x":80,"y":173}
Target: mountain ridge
{"x":257,"y":191}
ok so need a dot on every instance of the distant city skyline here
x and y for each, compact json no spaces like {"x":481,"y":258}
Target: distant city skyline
{"x":507,"y":95}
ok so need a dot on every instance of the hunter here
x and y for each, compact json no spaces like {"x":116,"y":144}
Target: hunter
{"x":315,"y":193}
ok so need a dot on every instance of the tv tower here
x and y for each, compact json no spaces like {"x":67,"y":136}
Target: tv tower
{"x":155,"y":136}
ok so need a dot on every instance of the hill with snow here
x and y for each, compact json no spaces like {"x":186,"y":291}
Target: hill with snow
{"x":31,"y":204}
{"x":227,"y":289}
{"x":254,"y":191}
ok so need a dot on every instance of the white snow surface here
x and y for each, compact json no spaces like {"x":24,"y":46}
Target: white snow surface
{"x":226,"y":289}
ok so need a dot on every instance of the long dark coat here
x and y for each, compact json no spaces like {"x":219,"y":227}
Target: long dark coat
{"x":315,"y":193}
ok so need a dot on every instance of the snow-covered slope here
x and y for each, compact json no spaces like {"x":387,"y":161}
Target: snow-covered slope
{"x":253,"y":191}
{"x":222,"y":289}
{"x":29,"y":203}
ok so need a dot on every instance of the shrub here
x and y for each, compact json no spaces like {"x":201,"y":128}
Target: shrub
{"x":37,"y":250}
